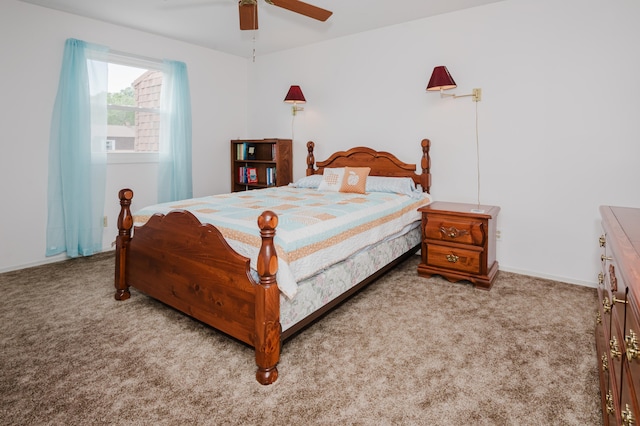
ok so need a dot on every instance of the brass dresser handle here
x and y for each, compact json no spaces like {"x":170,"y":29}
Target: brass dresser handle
{"x":614,"y":348}
{"x":631,"y":343}
{"x":627,"y":416}
{"x":616,"y":300}
{"x":610,"y":407}
{"x":452,"y":258}
{"x":452,"y":232}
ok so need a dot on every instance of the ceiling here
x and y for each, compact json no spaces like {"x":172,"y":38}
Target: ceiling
{"x":214,"y":23}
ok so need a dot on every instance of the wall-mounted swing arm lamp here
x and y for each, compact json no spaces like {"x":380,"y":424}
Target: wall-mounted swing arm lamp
{"x":441,"y":80}
{"x":295,"y":97}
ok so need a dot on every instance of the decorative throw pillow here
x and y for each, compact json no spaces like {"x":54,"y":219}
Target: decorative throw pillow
{"x":331,"y":179}
{"x":355,"y":179}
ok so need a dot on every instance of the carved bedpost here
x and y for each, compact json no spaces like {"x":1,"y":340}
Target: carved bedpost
{"x":311,"y":160}
{"x":125,"y":223}
{"x":267,"y":340}
{"x":425,"y":177}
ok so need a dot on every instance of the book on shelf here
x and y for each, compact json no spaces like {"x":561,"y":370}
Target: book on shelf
{"x":271,"y":176}
{"x":251,"y":151}
{"x":247,"y":175}
{"x":252,"y":175}
{"x":246,"y":151}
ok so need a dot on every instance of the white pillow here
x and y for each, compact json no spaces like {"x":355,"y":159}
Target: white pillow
{"x":331,"y":179}
{"x":312,"y":181}
{"x":395,"y":185}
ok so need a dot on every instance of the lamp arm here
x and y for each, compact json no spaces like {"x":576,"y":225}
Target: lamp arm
{"x":476,"y":95}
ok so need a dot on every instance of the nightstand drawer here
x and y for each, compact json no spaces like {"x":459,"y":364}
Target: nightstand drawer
{"x":456,"y":259}
{"x":460,"y":231}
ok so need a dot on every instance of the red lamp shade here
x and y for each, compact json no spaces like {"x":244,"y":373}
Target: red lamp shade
{"x":294,"y":95}
{"x":441,"y":79}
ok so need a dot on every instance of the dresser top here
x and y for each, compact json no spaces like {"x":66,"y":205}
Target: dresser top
{"x":622,"y":228}
{"x":461,"y":209}
{"x":629,"y":220}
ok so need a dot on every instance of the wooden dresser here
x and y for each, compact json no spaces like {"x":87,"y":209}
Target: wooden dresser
{"x":618,"y":317}
{"x":458,"y":243}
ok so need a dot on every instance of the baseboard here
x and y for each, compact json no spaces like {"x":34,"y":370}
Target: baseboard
{"x":47,"y":261}
{"x":549,"y":277}
{"x":544,"y":276}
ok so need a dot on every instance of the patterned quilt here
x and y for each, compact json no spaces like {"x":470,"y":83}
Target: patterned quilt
{"x":316,"y":229}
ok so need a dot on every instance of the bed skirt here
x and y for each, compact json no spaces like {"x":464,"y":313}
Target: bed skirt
{"x":317,"y":291}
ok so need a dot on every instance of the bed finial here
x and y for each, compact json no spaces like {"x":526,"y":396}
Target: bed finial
{"x":125,"y":223}
{"x":311,"y":160}
{"x":425,"y":163}
{"x":267,"y":343}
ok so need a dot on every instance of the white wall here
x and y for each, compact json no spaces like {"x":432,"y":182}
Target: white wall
{"x":31,"y":45}
{"x":557,"y":122}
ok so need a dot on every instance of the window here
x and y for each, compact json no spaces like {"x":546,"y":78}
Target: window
{"x":133,"y":106}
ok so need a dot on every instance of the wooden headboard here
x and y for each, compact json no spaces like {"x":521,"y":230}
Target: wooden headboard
{"x":381,"y":163}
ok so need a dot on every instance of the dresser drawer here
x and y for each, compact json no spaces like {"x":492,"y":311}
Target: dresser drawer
{"x":457,"y":259}
{"x":631,"y":366}
{"x":462,"y":231}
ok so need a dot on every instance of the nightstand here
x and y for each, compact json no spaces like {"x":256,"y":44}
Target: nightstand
{"x":459,"y":244}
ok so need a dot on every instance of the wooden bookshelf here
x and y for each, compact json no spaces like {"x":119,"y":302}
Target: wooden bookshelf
{"x":269,"y":160}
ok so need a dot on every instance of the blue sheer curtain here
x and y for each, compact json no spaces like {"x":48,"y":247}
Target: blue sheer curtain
{"x":77,"y":152}
{"x":175,"y":180}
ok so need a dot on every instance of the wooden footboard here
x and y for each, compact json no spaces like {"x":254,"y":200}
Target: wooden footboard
{"x":188,"y":265}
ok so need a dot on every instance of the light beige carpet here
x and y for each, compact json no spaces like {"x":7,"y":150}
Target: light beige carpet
{"x":406,"y":350}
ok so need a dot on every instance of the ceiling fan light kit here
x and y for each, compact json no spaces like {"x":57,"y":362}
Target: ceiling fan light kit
{"x":248,"y":11}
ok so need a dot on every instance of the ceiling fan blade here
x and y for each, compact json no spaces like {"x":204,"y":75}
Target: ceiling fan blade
{"x":302,"y":8}
{"x":248,"y":13}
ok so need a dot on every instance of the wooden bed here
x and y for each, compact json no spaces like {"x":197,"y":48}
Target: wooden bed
{"x":189,"y":266}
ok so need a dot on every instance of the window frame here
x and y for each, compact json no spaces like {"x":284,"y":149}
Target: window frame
{"x":131,"y":60}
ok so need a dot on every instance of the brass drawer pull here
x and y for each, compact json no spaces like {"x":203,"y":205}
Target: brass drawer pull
{"x":616,"y":300}
{"x":605,"y":363}
{"x":627,"y":416}
{"x":614,"y":348}
{"x":452,"y":258}
{"x":606,"y":305}
{"x":598,"y":318}
{"x":602,"y":240}
{"x":603,"y":257}
{"x":600,"y":278}
{"x":453,"y":232}
{"x":610,"y":407}
{"x":631,"y":343}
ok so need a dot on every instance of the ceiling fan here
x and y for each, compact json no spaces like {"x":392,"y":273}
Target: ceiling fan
{"x":248,"y":11}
